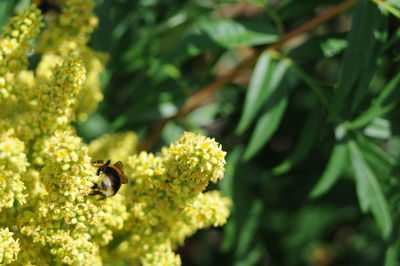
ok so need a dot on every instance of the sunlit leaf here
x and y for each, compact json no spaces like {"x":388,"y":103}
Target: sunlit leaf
{"x":390,"y":6}
{"x":333,"y":46}
{"x":230,"y":33}
{"x":268,"y":123}
{"x":379,"y":128}
{"x":204,"y":115}
{"x":266,"y":77}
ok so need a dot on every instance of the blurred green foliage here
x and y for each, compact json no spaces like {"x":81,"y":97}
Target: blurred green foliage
{"x":311,"y":133}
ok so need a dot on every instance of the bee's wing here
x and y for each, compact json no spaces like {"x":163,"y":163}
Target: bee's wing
{"x":124,"y":179}
{"x":120,"y":166}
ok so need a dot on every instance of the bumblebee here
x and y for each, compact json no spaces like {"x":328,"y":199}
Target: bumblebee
{"x":47,"y":6}
{"x":113,"y":177}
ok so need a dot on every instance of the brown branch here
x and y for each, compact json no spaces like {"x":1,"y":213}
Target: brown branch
{"x":196,"y":99}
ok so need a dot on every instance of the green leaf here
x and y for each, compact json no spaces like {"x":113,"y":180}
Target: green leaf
{"x":369,"y":191}
{"x":390,"y":91}
{"x":249,"y":228}
{"x":370,"y":114}
{"x":265,"y":79}
{"x":338,"y":163}
{"x":391,"y":256}
{"x":359,"y":64}
{"x":230,"y":229}
{"x":5,"y":11}
{"x":306,"y":141}
{"x":379,"y":128}
{"x":390,"y":6}
{"x":252,"y":257}
{"x":204,"y":115}
{"x":230,"y":34}
{"x":171,"y":132}
{"x":381,"y":162}
{"x":333,"y":46}
{"x":192,"y":45}
{"x":231,"y":162}
{"x":377,"y":35}
{"x":268,"y":123}
{"x":260,"y":3}
{"x":385,"y":102}
{"x":393,"y":40}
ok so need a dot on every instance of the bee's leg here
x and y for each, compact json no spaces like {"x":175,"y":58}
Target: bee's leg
{"x":95,"y":186}
{"x":100,"y":164}
{"x":99,"y":170}
{"x":96,"y":192}
{"x":97,"y":163}
{"x":103,"y":196}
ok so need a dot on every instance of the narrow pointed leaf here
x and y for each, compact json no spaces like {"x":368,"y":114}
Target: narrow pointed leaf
{"x":252,"y":257}
{"x":230,"y":33}
{"x":369,"y":191}
{"x":380,"y":156}
{"x":249,"y":229}
{"x":267,"y":124}
{"x":265,"y":79}
{"x":392,"y":254}
{"x":338,"y":163}
{"x":227,"y":188}
{"x":356,"y":61}
{"x":381,"y":163}
{"x":384,"y":103}
{"x":372,"y":48}
{"x":231,"y":163}
{"x":379,"y":128}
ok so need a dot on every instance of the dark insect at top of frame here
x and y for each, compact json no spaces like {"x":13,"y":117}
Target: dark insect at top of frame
{"x":47,"y":6}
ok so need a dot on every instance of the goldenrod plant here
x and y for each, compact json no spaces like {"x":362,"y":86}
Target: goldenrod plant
{"x":104,"y":109}
{"x":48,"y":213}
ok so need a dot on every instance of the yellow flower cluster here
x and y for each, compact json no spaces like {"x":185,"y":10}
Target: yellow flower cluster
{"x":166,"y":203}
{"x":47,"y":212}
{"x":13,"y":164}
{"x":9,"y":247}
{"x":67,"y":33}
{"x":67,"y":219}
{"x":14,"y":44}
{"x":14,"y":49}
